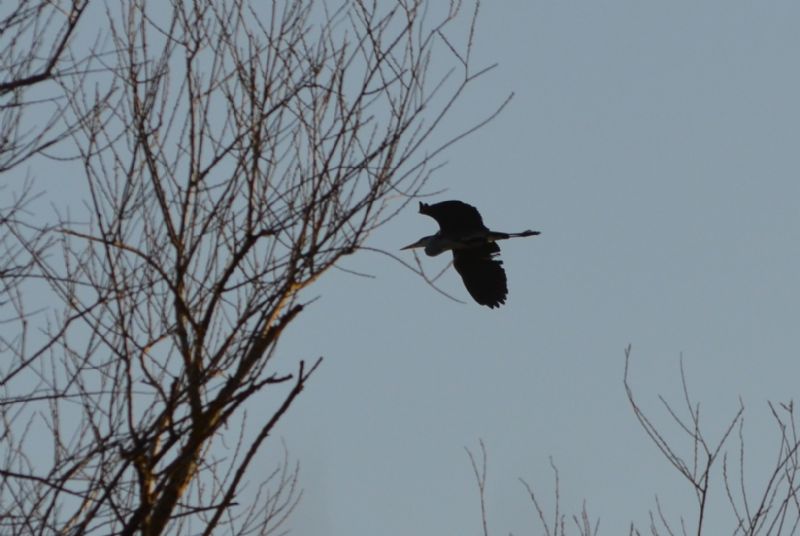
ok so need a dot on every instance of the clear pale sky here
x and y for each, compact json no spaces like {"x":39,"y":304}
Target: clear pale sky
{"x":656,"y":146}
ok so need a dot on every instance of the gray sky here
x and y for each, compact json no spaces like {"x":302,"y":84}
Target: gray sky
{"x":655,"y":145}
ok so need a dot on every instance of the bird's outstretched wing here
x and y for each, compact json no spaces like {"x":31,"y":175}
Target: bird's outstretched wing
{"x":482,"y":273}
{"x":455,"y":218}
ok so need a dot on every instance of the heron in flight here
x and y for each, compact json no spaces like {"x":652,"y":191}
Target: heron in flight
{"x":474,"y":247}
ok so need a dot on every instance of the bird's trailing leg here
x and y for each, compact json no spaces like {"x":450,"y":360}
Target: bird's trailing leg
{"x":494,"y":235}
{"x":526,"y":233}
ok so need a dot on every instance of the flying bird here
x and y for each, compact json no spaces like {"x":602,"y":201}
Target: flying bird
{"x":474,"y":248}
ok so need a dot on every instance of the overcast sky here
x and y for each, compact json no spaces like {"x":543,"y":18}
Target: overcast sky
{"x":655,"y":145}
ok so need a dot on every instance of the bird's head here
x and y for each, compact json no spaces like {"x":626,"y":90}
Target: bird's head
{"x":433,"y":245}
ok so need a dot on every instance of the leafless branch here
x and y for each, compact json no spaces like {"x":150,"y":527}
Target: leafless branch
{"x":231,"y":153}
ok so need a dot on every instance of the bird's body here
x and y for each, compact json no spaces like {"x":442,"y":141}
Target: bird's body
{"x":461,"y":230}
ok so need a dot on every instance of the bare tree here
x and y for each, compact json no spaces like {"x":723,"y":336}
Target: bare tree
{"x":709,"y":467}
{"x":773,"y":511}
{"x":34,"y":51}
{"x":249,"y":146}
{"x":34,"y":56}
{"x":554,"y":523}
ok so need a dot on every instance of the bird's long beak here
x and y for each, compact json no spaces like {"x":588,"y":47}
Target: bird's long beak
{"x":417,"y":244}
